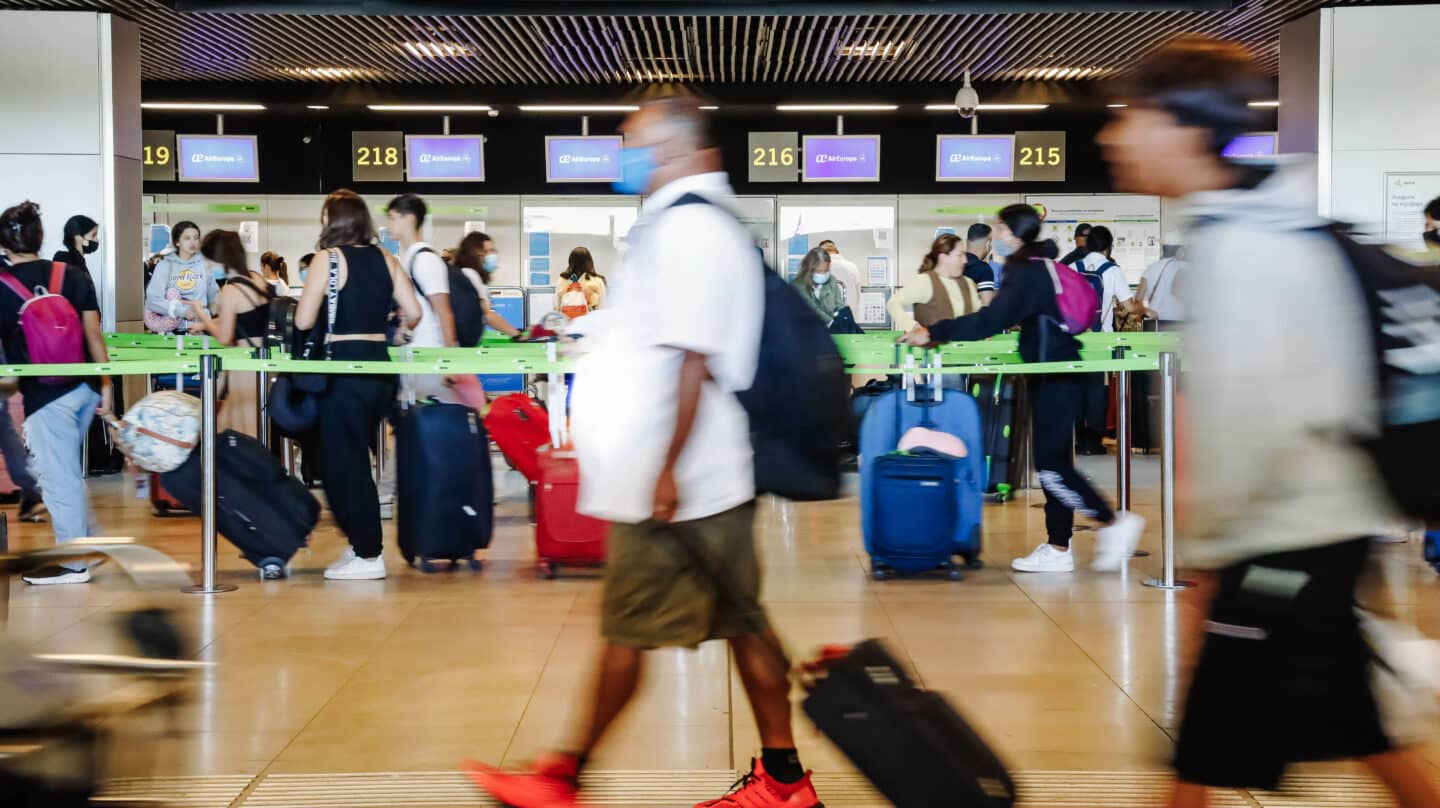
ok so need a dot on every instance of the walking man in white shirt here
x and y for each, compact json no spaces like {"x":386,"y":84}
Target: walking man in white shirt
{"x":675,"y":476}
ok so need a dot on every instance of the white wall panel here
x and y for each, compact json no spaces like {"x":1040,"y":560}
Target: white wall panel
{"x":52,"y":96}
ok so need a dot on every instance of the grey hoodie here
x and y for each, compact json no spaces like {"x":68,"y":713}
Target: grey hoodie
{"x":1276,"y":370}
{"x":180,"y":281}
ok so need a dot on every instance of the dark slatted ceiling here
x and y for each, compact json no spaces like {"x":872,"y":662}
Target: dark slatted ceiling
{"x":606,"y":50}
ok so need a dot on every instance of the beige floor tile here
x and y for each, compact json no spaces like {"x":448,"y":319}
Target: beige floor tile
{"x":386,"y":748}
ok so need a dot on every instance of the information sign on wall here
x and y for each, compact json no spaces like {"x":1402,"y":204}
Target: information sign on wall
{"x":1133,"y":219}
{"x":774,"y":156}
{"x":157,"y":153}
{"x":974,"y":158}
{"x":377,"y":156}
{"x":445,"y":158}
{"x":1406,"y":195}
{"x":842,"y":158}
{"x":217,"y":158}
{"x":1040,"y":156}
{"x":582,"y":159}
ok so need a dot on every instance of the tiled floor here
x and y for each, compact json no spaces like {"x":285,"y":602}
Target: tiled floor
{"x":1079,"y":672}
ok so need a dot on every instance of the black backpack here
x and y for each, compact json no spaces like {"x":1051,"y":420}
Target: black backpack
{"x":799,"y":404}
{"x":465,"y":305}
{"x":1403,"y":303}
{"x":280,"y":314}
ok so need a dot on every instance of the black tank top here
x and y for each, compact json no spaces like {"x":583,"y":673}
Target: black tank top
{"x":252,"y":324}
{"x":363,"y":306}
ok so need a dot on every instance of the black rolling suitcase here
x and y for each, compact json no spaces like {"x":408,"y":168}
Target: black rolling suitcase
{"x":1001,"y":400}
{"x":445,"y":500}
{"x":262,"y":511}
{"x":910,"y":743}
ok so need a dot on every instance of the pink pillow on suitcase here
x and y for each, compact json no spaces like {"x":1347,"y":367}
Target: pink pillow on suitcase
{"x":918,"y":437}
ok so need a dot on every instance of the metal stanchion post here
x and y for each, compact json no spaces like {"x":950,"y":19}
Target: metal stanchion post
{"x":1168,"y":384}
{"x":380,"y":452}
{"x":287,"y":455}
{"x":262,"y":399}
{"x":209,"y":382}
{"x":1124,"y":440}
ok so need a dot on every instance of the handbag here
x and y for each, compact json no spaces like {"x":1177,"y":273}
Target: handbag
{"x":1127,"y":322}
{"x":313,"y":344}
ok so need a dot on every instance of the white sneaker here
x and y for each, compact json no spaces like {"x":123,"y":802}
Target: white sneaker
{"x":1045,"y":558}
{"x":351,"y":567}
{"x":1117,"y":542}
{"x":57,"y":575}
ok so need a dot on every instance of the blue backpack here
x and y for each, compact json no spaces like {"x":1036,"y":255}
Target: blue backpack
{"x":799,"y":404}
{"x":1096,"y":277}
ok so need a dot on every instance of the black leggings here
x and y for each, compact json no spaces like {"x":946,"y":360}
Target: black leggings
{"x":1055,"y":403}
{"x":350,"y":415}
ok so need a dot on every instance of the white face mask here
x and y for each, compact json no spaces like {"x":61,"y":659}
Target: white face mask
{"x":819,"y":278}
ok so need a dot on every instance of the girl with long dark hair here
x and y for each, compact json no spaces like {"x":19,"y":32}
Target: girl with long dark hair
{"x":1027,"y":298}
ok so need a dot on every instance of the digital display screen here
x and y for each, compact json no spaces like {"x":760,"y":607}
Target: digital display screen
{"x":217,"y":158}
{"x":1256,"y":145}
{"x":582,"y":159}
{"x":842,"y":158}
{"x":445,"y":158}
{"x":975,"y":158}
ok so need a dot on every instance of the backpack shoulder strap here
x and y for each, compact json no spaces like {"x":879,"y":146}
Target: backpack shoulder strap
{"x":13,"y":284}
{"x":410,"y":267}
{"x":57,"y":277}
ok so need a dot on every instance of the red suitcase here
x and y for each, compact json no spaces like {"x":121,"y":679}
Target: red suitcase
{"x":519,"y":427}
{"x":563,"y":536}
{"x":162,"y":502}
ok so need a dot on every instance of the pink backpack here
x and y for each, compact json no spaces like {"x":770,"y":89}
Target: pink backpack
{"x":1075,"y":297}
{"x":53,"y":335}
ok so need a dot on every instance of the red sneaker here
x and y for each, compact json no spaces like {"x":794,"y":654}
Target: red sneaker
{"x":552,"y":782}
{"x":759,"y":790}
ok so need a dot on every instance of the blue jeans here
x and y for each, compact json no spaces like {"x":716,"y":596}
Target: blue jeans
{"x":17,"y":462}
{"x":55,"y":436}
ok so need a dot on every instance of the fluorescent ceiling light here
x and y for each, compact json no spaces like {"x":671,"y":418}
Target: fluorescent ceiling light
{"x":990,"y":107}
{"x":428,"y":108}
{"x":332,"y":73}
{"x":434,"y":50}
{"x":837,"y":107}
{"x":316,"y":106}
{"x":202,"y":107}
{"x":1117,"y":106}
{"x":1264,"y":104}
{"x":578,"y":108}
{"x":709,"y":108}
{"x":872,"y":50}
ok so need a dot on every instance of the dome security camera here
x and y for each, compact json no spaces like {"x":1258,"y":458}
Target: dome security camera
{"x":967,"y":101}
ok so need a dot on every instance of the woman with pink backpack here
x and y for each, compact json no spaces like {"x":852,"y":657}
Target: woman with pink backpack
{"x":1050,"y":302}
{"x":49,"y":315}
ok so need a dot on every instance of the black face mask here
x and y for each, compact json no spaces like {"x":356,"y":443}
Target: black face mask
{"x":1432,"y":237}
{"x":91,"y":246}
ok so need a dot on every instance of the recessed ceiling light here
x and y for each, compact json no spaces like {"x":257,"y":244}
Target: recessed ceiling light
{"x":435,"y":50}
{"x":709,"y":108}
{"x":581,"y":108}
{"x":837,"y":107}
{"x":334,"y":73}
{"x":1116,"y":106}
{"x":1056,"y":73}
{"x":316,"y":106}
{"x":1264,"y":104}
{"x":872,"y":50}
{"x":428,"y":108}
{"x":202,"y":106}
{"x":990,"y":107}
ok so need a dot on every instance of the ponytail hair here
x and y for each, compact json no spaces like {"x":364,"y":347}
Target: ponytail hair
{"x":944,"y":244}
{"x":1025,"y":224}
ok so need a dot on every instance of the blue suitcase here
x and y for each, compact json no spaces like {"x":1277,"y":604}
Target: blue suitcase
{"x":919,"y":511}
{"x":445,"y":496}
{"x":1432,"y":549}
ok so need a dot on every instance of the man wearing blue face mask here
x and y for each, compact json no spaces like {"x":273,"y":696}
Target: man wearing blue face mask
{"x":675,"y":477}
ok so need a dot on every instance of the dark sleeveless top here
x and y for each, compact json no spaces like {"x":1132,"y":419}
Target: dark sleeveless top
{"x":255,"y":323}
{"x":364,"y":304}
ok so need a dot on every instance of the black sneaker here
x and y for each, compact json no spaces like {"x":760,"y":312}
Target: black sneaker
{"x":32,"y":509}
{"x":57,"y":575}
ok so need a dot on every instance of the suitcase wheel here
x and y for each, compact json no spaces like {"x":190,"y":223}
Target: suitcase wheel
{"x":955,"y":574}
{"x":475,"y":564}
{"x":882,"y":573}
{"x":425,"y":565}
{"x":972,"y":561}
{"x":548,"y":570}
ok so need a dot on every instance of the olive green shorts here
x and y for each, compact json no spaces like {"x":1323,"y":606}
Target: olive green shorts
{"x":658,"y":594}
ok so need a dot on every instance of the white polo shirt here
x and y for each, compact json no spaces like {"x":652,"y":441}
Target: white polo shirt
{"x":1115,"y":286}
{"x":431,"y":277}
{"x":690,"y":281}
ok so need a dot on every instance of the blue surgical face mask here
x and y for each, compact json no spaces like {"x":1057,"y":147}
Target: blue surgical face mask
{"x":820,"y":278}
{"x":490,"y":263}
{"x":637,"y":166}
{"x":303,"y":273}
{"x":1003,"y":248}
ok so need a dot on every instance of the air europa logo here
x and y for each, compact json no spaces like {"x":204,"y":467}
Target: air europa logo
{"x":201,"y":157}
{"x":973,"y":158}
{"x":839,"y":158}
{"x":427,"y":157}
{"x":577,"y":159}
